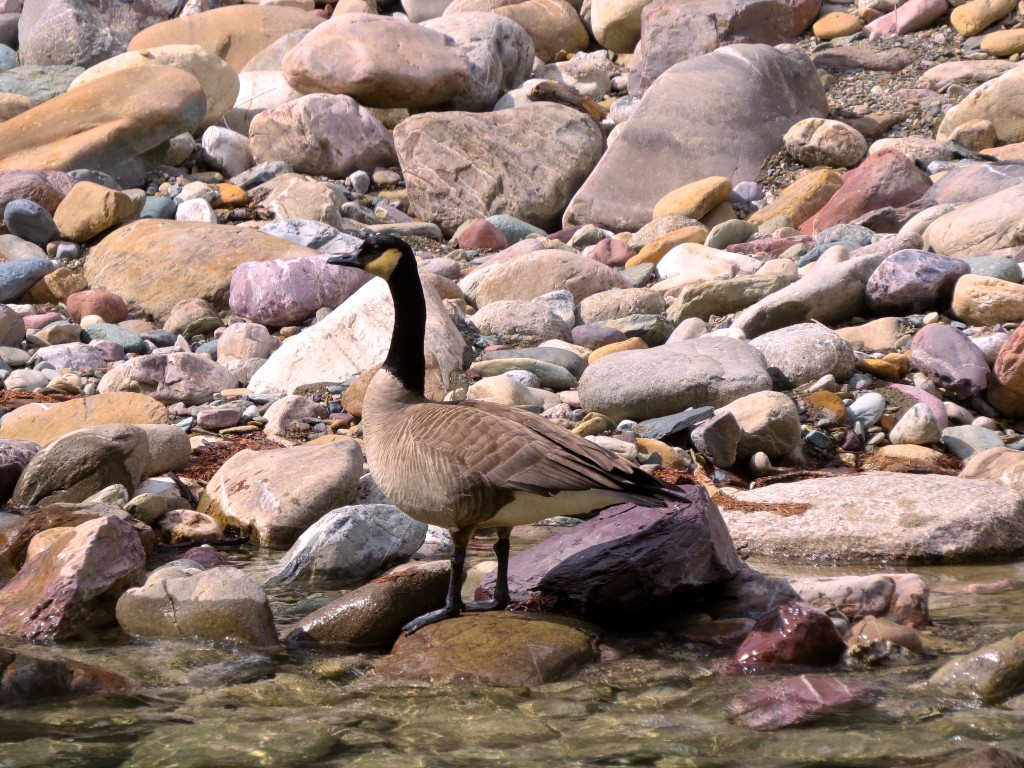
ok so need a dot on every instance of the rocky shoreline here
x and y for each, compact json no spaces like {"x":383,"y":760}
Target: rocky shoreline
{"x":767,"y":250}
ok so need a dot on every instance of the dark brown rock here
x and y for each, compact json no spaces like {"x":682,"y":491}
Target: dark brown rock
{"x":73,"y":585}
{"x":950,"y":359}
{"x":492,"y":648}
{"x":15,"y":538}
{"x":374,"y":614}
{"x":627,"y":560}
{"x":795,"y":633}
{"x":797,"y":700}
{"x":911,"y":281}
{"x":26,"y":678}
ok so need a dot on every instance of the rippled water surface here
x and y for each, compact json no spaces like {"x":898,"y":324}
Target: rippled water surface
{"x":206,"y":707}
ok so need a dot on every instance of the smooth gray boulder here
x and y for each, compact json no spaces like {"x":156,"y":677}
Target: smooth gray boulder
{"x":805,"y":352}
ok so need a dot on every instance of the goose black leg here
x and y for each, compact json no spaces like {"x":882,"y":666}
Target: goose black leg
{"x":453,"y":601}
{"x":501,"y":597}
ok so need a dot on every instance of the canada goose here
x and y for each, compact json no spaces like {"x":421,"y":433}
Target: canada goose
{"x":469,"y":464}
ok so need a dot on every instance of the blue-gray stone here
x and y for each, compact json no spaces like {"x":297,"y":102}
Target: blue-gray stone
{"x":160,"y":337}
{"x":746,"y":193}
{"x":16,"y":277}
{"x":8,"y":58}
{"x":673,"y":424}
{"x":514,"y":229}
{"x":639,"y":275}
{"x":39,"y":83}
{"x":845,"y":233}
{"x":96,"y":177}
{"x":312,"y":234}
{"x":968,"y":440}
{"x":654,"y":330}
{"x":260,"y":174}
{"x":30,"y":221}
{"x":209,"y":348}
{"x":561,"y":357}
{"x":816,"y":251}
{"x":351,"y":544}
{"x":158,"y":208}
{"x":129,"y":341}
{"x":995,"y":266}
{"x":67,"y":251}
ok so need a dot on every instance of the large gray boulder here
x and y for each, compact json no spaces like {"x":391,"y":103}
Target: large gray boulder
{"x":525,"y":162}
{"x":647,"y":383}
{"x":750,"y":93}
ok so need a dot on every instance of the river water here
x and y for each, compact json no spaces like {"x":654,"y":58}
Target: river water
{"x":200,"y":706}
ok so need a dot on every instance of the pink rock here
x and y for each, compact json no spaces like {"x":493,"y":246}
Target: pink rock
{"x":35,"y":322}
{"x":909,"y":17}
{"x":516,"y":249}
{"x":794,"y":633}
{"x":934,"y":404}
{"x":97,"y":301}
{"x":900,"y":597}
{"x":770,"y":246}
{"x":110,"y":351}
{"x":481,"y":234}
{"x":610,"y":252}
{"x":289,"y":291}
{"x":885,"y":178}
{"x":797,"y":700}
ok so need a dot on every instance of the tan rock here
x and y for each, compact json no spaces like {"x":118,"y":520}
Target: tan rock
{"x":817,"y":141}
{"x":974,"y":16}
{"x":983,"y":300}
{"x":976,"y":135}
{"x":616,"y":23}
{"x":103,"y":124}
{"x":618,"y":346}
{"x":980,"y":227}
{"x":44,"y":540}
{"x":554,"y":25}
{"x":654,"y":250}
{"x":1003,"y":43}
{"x":218,"y":80}
{"x":387,"y":62}
{"x":90,"y":209}
{"x":154,"y":264}
{"x":801,"y":199}
{"x":876,"y":336}
{"x":236,"y":33}
{"x":57,"y":286}
{"x":533,"y":274}
{"x":696,"y":199}
{"x":1013,"y":153}
{"x":13,"y":104}
{"x":996,"y":101}
{"x":43,"y":423}
{"x":836,"y":24}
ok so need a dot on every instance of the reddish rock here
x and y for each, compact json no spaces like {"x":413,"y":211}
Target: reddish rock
{"x":900,"y":597}
{"x":1008,"y":376}
{"x":35,"y":322}
{"x":950,"y":359}
{"x":911,"y":281}
{"x":206,"y":556}
{"x":26,"y":678}
{"x":288,"y":291}
{"x":797,"y":700}
{"x":912,"y":16}
{"x":795,"y":633}
{"x":482,"y":235}
{"x":770,"y":246}
{"x":610,"y":252}
{"x":97,"y":301}
{"x":625,"y":561}
{"x":47,"y":188}
{"x":886,"y":178}
{"x":73,"y":585}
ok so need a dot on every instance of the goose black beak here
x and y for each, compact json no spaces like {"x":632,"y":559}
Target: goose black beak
{"x":345,"y":260}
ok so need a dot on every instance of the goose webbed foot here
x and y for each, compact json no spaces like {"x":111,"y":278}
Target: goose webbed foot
{"x":448,"y":612}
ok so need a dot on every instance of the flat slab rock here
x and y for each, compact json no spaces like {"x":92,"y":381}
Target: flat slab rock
{"x":493,"y":648}
{"x":797,"y":700}
{"x":882,"y":516}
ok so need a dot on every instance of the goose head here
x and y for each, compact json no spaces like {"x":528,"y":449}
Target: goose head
{"x":379,"y":255}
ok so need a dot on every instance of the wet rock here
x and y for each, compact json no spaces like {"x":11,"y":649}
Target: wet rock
{"x":637,"y":558}
{"x":351,"y":544}
{"x":803,"y":353}
{"x":903,"y":597}
{"x":180,"y":526}
{"x":882,"y":516}
{"x":73,"y":585}
{"x":880,"y":632}
{"x":991,"y":673}
{"x":43,"y":423}
{"x":795,"y":633}
{"x":79,"y":464}
{"x":220,"y":604}
{"x":15,"y":539}
{"x":797,"y":700}
{"x":374,"y":614}
{"x":278,"y":494}
{"x":29,"y":677}
{"x":180,"y":377}
{"x":494,"y":649}
{"x":985,"y":757}
{"x":913,"y":281}
{"x":950,"y":360}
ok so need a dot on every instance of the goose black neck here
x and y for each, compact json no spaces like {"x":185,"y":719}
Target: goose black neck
{"x":405,"y":356}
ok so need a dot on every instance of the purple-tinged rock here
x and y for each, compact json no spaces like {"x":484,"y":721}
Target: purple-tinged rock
{"x":934,"y":404}
{"x":950,"y":359}
{"x":626,"y":560}
{"x":14,"y":455}
{"x":901,"y":597}
{"x":610,"y":252}
{"x":289,"y":291}
{"x":797,"y":700}
{"x":35,"y":322}
{"x":593,"y":336}
{"x":770,"y":246}
{"x":76,"y":355}
{"x":913,"y":281}
{"x":912,"y":16}
{"x":794,"y":633}
{"x":110,"y":351}
{"x":47,"y":188}
{"x":219,"y":418}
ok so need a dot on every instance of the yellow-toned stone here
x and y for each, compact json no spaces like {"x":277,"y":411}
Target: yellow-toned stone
{"x":89,"y":209}
{"x":56,"y":286}
{"x":592,"y":424}
{"x":837,"y":24}
{"x":1009,"y":152}
{"x":983,"y":300}
{"x":720,"y":213}
{"x":828,"y":404}
{"x":880,"y":369}
{"x":977,"y":15}
{"x":231,"y":196}
{"x":13,"y":104}
{"x":900,"y":360}
{"x":1003,"y":43}
{"x":618,"y":346}
{"x":653,"y":251}
{"x":669,"y":457}
{"x":44,"y":422}
{"x":45,"y":539}
{"x":801,"y":199}
{"x":695,"y":200}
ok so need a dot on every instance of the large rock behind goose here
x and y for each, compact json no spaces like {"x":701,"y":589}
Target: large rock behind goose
{"x":647,"y":383}
{"x":677,"y":30}
{"x":533,"y":274}
{"x":881,"y":516}
{"x":387,"y":62}
{"x":278,"y":494}
{"x":499,"y":53}
{"x":154,"y":264}
{"x":461,"y":166}
{"x":236,"y":33}
{"x":105,"y":124}
{"x":679,"y":139}
{"x":81,"y":32}
{"x":74,"y":584}
{"x":354,"y":337}
{"x":627,"y":560}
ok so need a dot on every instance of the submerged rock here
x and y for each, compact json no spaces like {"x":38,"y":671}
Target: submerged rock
{"x":798,"y":700}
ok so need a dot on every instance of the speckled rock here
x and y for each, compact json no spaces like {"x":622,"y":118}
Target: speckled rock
{"x":982,"y":300}
{"x":950,"y":360}
{"x":803,"y":353}
{"x":181,"y":377}
{"x":817,"y":141}
{"x":913,"y":281}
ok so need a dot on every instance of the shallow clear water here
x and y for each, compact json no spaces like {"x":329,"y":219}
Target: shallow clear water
{"x":199,"y":706}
